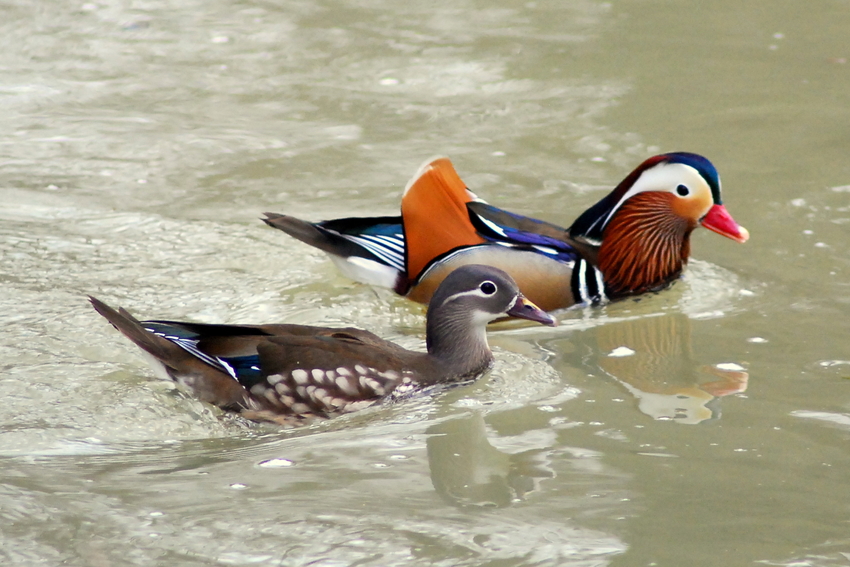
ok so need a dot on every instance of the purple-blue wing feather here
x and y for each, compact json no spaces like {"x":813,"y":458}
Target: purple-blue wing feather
{"x":510,"y":229}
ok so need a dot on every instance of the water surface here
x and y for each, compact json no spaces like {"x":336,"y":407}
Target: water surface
{"x":707,"y":425}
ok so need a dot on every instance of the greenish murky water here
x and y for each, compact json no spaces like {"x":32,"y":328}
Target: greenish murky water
{"x":705,"y":426}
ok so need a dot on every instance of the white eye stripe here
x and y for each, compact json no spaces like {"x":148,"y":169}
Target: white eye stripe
{"x":660,"y":178}
{"x":477,"y":292}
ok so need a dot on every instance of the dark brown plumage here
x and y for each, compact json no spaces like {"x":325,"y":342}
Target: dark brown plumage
{"x":289,"y":372}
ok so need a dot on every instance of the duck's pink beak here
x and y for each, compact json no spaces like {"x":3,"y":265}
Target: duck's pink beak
{"x":721,"y":222}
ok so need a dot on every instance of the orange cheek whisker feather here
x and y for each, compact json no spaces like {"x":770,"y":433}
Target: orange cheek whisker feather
{"x":646,"y":243}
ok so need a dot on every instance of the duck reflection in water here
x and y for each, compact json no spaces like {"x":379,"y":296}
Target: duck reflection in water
{"x":466,"y":469}
{"x":652,"y":358}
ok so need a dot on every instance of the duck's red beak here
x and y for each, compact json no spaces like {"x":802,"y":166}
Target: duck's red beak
{"x":720,"y":221}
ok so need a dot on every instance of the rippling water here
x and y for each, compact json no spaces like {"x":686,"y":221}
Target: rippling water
{"x":706,"y":425}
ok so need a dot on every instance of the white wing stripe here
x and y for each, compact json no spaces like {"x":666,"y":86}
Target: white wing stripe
{"x":493,"y":226}
{"x":191,"y":346}
{"x":395,"y":246}
{"x":545,"y":249}
{"x":395,"y":242}
{"x":392,"y":258}
{"x":380,"y":250}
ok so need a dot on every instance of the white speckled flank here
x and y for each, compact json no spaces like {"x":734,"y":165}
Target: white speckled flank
{"x":300,"y":376}
{"x":320,"y":395}
{"x":274,"y":379}
{"x":373,"y":385}
{"x":346,"y":386}
{"x":272,"y":396}
{"x":306,"y":391}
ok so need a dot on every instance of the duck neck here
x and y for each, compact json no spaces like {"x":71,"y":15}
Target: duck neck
{"x":645,"y":245}
{"x":459,"y":343}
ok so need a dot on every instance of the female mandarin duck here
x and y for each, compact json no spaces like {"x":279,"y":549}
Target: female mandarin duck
{"x":288,"y":372}
{"x":635,"y":240}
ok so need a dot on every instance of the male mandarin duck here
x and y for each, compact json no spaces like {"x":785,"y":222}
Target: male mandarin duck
{"x":635,"y":240}
{"x":285,"y":373}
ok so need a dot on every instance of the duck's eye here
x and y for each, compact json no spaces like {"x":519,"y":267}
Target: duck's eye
{"x":488,"y":288}
{"x":683,"y":190}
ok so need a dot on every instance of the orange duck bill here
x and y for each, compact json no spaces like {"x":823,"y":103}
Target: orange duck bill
{"x":720,"y":221}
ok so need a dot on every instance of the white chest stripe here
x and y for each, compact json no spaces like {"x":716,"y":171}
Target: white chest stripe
{"x":583,"y":290}
{"x":582,"y":282}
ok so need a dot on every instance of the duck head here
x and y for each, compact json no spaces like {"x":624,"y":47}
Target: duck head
{"x":642,"y":228}
{"x":467,"y":299}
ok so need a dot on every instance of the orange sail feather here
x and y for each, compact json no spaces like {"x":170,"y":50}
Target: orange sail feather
{"x":436,"y":192}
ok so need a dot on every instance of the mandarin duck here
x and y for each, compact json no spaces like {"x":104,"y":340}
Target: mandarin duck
{"x":635,"y":240}
{"x":289,"y":372}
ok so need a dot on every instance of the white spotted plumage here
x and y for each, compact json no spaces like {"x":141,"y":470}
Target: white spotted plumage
{"x":389,"y":374}
{"x":306,"y":390}
{"x":274,"y":379}
{"x":346,"y":386}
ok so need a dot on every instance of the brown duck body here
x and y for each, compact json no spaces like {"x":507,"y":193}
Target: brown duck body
{"x":280,"y":372}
